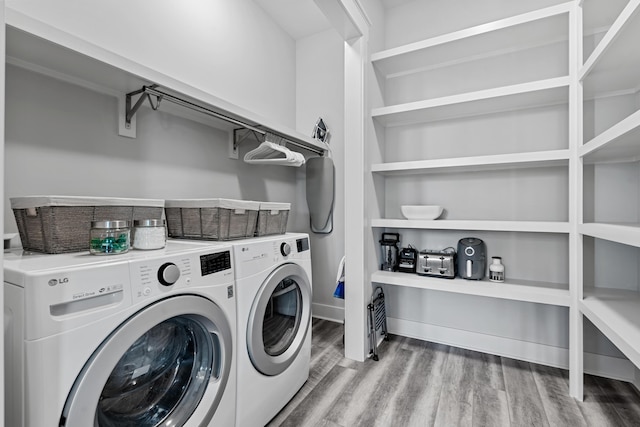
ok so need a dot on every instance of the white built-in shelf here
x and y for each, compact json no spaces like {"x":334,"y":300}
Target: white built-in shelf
{"x":613,"y":66}
{"x":34,"y":45}
{"x":508,"y":98}
{"x":475,"y":225}
{"x":598,"y":16}
{"x":619,"y":143}
{"x":537,"y":159}
{"x":504,"y":36}
{"x":627,"y":234}
{"x":518,"y":290}
{"x":617,"y":314}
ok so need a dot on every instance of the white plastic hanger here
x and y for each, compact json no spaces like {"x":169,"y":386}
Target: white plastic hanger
{"x":272,"y":153}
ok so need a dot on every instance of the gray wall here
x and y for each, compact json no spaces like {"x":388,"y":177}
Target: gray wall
{"x":62,"y":140}
{"x":320,"y":93}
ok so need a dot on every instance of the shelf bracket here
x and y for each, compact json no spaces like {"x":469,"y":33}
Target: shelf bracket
{"x":242,"y":134}
{"x":131,"y":111}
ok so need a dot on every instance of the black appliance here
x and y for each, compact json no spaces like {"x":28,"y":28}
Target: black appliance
{"x":407,"y":262}
{"x":472,"y":258}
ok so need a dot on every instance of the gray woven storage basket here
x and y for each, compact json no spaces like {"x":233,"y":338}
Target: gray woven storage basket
{"x":272,"y":218}
{"x":62,"y":224}
{"x":211,"y":219}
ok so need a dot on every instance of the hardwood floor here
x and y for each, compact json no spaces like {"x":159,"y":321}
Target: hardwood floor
{"x":417,"y":383}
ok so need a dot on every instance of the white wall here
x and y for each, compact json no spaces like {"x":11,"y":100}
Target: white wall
{"x":229,"y":48}
{"x":320,"y":93}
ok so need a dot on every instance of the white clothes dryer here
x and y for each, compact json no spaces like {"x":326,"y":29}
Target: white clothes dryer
{"x":274,"y":294}
{"x":145,"y":338}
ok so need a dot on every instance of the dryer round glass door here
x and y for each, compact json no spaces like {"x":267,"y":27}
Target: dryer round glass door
{"x":167,"y":363}
{"x":279,"y":319}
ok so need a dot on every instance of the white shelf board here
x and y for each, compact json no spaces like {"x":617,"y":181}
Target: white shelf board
{"x":476,"y":225}
{"x":37,"y":46}
{"x":508,"y":98}
{"x":477,"y":163}
{"x":627,"y":234}
{"x":620,"y":142}
{"x":541,"y":27}
{"x":616,"y":313}
{"x":517,"y":290}
{"x":612,"y":68}
{"x":597,"y":16}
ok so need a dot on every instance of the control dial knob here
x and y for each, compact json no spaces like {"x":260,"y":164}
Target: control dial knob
{"x":168,"y":274}
{"x":285,"y":249}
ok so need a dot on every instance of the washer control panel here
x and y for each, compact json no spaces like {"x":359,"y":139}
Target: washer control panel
{"x":215,"y":262}
{"x":161,"y":275}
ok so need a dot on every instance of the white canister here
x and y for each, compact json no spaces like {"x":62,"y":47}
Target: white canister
{"x":496,"y":269}
{"x":149,"y":234}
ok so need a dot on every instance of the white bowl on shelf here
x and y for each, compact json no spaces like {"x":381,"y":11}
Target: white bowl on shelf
{"x":421,"y":211}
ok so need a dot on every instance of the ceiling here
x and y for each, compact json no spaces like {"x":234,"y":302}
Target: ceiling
{"x":299,"y":18}
{"x":302,"y":18}
{"x":388,"y":4}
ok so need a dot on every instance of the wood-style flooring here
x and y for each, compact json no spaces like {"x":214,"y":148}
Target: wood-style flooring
{"x":418,"y":383}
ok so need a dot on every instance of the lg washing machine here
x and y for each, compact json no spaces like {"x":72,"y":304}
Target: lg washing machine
{"x":274,"y":290}
{"x":145,"y":338}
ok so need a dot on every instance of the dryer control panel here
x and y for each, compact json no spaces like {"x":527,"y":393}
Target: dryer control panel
{"x":257,"y":255}
{"x":302,"y":244}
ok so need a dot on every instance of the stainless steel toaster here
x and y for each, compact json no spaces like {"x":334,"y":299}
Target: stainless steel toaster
{"x":437,"y":263}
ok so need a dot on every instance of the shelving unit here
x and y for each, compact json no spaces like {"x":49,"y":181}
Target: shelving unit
{"x":547,"y":172}
{"x":475,"y":225}
{"x":618,"y":143}
{"x":473,"y":164}
{"x":627,"y":234}
{"x":607,"y":84}
{"x":597,"y":18}
{"x":491,"y":40}
{"x":615,"y":313}
{"x":509,"y":98}
{"x":611,"y":68}
{"x":517,"y":290}
{"x":541,"y":27}
{"x":609,"y":73}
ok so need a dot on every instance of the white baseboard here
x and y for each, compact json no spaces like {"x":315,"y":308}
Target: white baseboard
{"x":606,"y":366}
{"x":328,"y":312}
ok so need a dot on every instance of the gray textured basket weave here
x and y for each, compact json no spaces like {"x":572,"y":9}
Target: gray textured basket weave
{"x":211,"y":219}
{"x":272,"y":218}
{"x":59,"y":229}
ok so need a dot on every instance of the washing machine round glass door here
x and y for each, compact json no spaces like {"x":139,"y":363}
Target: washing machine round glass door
{"x":156,"y":369}
{"x":279,"y":319}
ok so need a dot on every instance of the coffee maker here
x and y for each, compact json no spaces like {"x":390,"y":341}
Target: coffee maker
{"x":472,"y":256}
{"x":389,"y":254}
